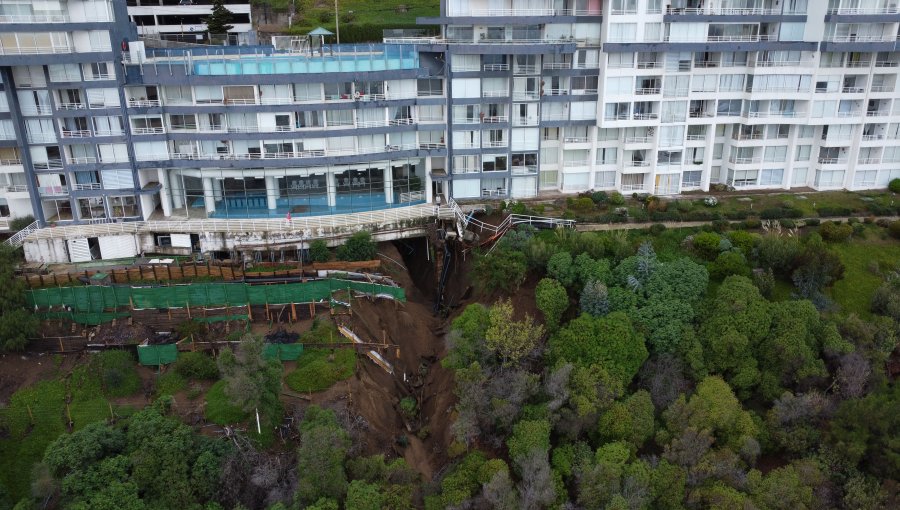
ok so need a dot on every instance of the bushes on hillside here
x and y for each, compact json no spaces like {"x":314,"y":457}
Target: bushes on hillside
{"x":359,"y":247}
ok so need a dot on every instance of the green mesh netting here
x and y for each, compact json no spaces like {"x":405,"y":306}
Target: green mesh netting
{"x":155,"y":355}
{"x":284,"y":352}
{"x":95,"y":299}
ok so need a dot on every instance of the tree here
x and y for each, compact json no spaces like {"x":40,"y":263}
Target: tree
{"x":713,"y":407}
{"x":251,"y":381}
{"x":17,"y":323}
{"x":359,"y":247}
{"x":681,"y":279}
{"x":867,"y":429}
{"x":553,"y":300}
{"x":792,"y":487}
{"x":318,"y":251}
{"x":529,"y":436}
{"x":320,"y":457}
{"x":511,"y":340}
{"x":706,"y":244}
{"x":363,"y":496}
{"x":587,"y":269}
{"x":465,"y":343}
{"x":663,"y":322}
{"x":630,"y":420}
{"x":727,"y":264}
{"x":594,"y":299}
{"x":561,"y":268}
{"x":610,"y":342}
{"x":218,"y":21}
{"x":894,"y":185}
{"x":501,"y":270}
{"x":795,"y":421}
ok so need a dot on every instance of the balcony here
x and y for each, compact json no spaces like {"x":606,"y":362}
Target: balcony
{"x":75,"y":133}
{"x":844,"y":11}
{"x":775,"y":114}
{"x":860,"y":38}
{"x":147,"y":131}
{"x":494,"y":143}
{"x":524,"y":170}
{"x":877,"y":113}
{"x":853,"y":90}
{"x":647,"y":91}
{"x":50,"y":164}
{"x":728,"y":11}
{"x":494,"y":119}
{"x":466,"y":170}
{"x":143,"y":103}
{"x":87,"y":186}
{"x":832,"y":161}
{"x":638,"y":139}
{"x":645,"y":116}
{"x":72,"y":106}
{"x":35,"y":50}
{"x":494,"y":93}
{"x":868,"y":161}
{"x":872,"y":138}
{"x":493,"y":13}
{"x":882,"y":88}
{"x":82,"y":160}
{"x":557,"y":65}
{"x":745,"y":161}
{"x":52,"y":191}
{"x":576,"y":139}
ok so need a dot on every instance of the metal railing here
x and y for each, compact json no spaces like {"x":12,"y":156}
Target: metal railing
{"x":19,"y":237}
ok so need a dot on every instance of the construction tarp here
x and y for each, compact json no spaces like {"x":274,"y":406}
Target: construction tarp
{"x":96,"y":298}
{"x":284,"y":352}
{"x":155,"y":355}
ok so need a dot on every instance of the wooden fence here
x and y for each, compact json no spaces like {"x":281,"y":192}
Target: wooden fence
{"x":186,"y":272}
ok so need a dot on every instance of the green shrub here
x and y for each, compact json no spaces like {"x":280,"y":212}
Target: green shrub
{"x":219,"y":408}
{"x":20,"y":223}
{"x":706,"y":244}
{"x":318,"y":251}
{"x":727,"y":264}
{"x":170,"y":383}
{"x":657,"y":229}
{"x":552,"y":300}
{"x":835,"y":232}
{"x":196,"y":365}
{"x":409,"y":407}
{"x":894,"y":185}
{"x":812,"y":222}
{"x":582,"y":205}
{"x":118,"y":373}
{"x":599,"y":197}
{"x":830,"y":212}
{"x":319,"y":369}
{"x":721,"y":226}
{"x":359,"y":247}
{"x":787,"y":223}
{"x":775,"y":213}
{"x":616,"y":199}
{"x":894,"y":229}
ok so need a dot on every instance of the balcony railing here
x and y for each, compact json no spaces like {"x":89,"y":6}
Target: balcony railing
{"x":496,"y":67}
{"x":744,"y":161}
{"x":495,"y":119}
{"x":494,"y":143}
{"x":52,"y":191}
{"x":82,"y":160}
{"x":71,"y":106}
{"x":869,"y":161}
{"x":638,"y":139}
{"x":645,"y":116}
{"x":882,"y":88}
{"x":523,"y":12}
{"x":863,"y":11}
{"x":557,"y":65}
{"x":832,"y":161}
{"x":870,"y":138}
{"x":87,"y":186}
{"x":144,"y":103}
{"x":576,"y":139}
{"x":148,"y":130}
{"x":524,"y":170}
{"x":729,"y":11}
{"x":34,"y":50}
{"x":494,"y":93}
{"x":860,"y":38}
{"x":853,"y":90}
{"x":75,"y":133}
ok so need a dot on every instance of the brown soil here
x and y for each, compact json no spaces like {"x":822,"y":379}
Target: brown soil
{"x":21,"y":370}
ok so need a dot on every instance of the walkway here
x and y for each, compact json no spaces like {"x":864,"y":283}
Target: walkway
{"x":603,"y":227}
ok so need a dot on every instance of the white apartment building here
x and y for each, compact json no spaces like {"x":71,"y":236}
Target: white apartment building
{"x":183,"y":20}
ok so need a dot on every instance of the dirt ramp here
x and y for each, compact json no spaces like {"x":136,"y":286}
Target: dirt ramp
{"x":420,"y":435}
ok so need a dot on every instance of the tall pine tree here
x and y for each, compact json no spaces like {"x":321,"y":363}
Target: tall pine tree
{"x":217,"y":22}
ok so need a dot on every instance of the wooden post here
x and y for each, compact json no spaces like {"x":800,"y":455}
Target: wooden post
{"x":268,"y":317}
{"x":312,"y":310}
{"x":69,"y":414}
{"x":112,"y":415}
{"x":188,"y":305}
{"x":294,"y":312}
{"x":31,"y":416}
{"x":61,"y":349}
{"x":249,"y":312}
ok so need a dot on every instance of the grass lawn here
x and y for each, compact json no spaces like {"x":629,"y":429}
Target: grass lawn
{"x":29,"y":434}
{"x":170,"y":383}
{"x":854,"y":292}
{"x":219,"y":409}
{"x":319,"y":369}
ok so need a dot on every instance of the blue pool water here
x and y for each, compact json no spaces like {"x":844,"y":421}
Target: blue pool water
{"x":255,"y":206}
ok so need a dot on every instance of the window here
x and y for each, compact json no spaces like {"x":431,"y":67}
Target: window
{"x":493,"y":163}
{"x":806,"y":132}
{"x":607,"y":135}
{"x":604,"y":179}
{"x":804,"y":152}
{"x":607,"y":156}
{"x":549,"y":179}
{"x":775,"y":154}
{"x":771,"y":177}
{"x":691,"y":179}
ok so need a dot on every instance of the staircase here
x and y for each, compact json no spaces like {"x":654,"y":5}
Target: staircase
{"x":495,"y":232}
{"x":19,"y":237}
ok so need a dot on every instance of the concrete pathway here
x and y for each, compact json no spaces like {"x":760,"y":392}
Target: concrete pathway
{"x":602,"y":227}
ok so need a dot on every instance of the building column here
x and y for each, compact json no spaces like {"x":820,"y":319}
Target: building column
{"x":218,"y":188}
{"x":178,"y":198}
{"x":164,"y":196}
{"x":389,"y":185}
{"x":271,"y":193}
{"x":429,"y":195}
{"x":209,"y":198}
{"x":331,"y":188}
